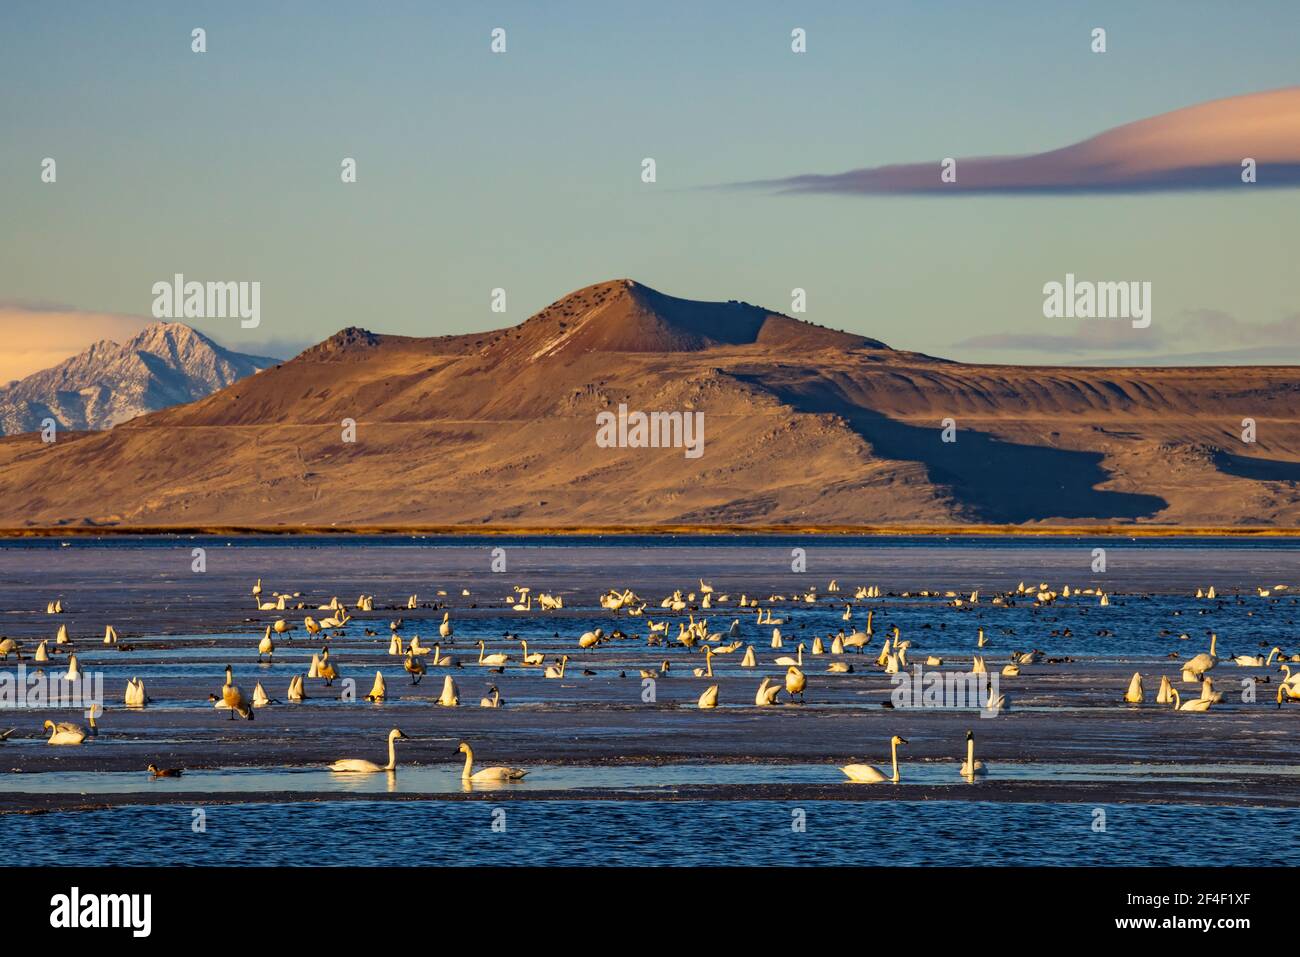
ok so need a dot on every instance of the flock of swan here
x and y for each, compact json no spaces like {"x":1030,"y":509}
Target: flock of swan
{"x":844,"y":653}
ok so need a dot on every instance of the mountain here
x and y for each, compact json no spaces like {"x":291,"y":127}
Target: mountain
{"x":802,"y":426}
{"x":165,"y":364}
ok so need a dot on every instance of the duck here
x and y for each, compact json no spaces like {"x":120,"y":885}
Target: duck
{"x":492,"y":700}
{"x":866,"y":774}
{"x":485,"y":775}
{"x":972,"y":768}
{"x":362,"y":766}
{"x":158,"y":772}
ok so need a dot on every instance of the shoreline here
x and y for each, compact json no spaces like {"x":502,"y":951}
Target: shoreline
{"x":666,"y":531}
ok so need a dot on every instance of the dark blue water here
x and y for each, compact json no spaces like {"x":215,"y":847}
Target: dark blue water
{"x":689,"y":833}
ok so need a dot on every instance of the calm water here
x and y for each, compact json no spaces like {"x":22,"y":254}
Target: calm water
{"x":542,"y":833}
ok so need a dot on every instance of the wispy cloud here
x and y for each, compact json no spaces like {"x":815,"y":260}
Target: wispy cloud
{"x":1195,"y":148}
{"x":1194,"y":337}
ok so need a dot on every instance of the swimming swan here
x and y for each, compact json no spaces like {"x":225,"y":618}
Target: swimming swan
{"x":486,"y":775}
{"x":866,"y":774}
{"x":1191,"y":704}
{"x":362,"y":766}
{"x":1134,"y":694}
{"x":978,"y":766}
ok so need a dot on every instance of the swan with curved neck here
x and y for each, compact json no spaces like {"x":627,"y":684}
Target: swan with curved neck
{"x":866,"y":774}
{"x":492,"y":660}
{"x":486,"y":775}
{"x":362,"y":766}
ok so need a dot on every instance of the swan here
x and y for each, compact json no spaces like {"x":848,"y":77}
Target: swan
{"x":776,"y":638}
{"x":42,"y":655}
{"x":709,"y":699}
{"x":1134,"y":694}
{"x":707,"y":670}
{"x":1011,"y":671}
{"x":536,"y":658}
{"x":795,"y":682}
{"x":443,"y":661}
{"x":444,"y":629}
{"x":414,"y":667}
{"x":1208,"y":693}
{"x":858,"y":640}
{"x":110,"y":635}
{"x":135,"y":694}
{"x":61,"y":636}
{"x":866,"y":774}
{"x":787,"y":660}
{"x":491,"y":660}
{"x":1166,"y":692}
{"x":395,"y":645}
{"x":493,"y":700}
{"x":297,"y":689}
{"x":378,"y":691}
{"x":362,"y":766}
{"x":282,"y":627}
{"x":554,"y":671}
{"x":1191,"y":704}
{"x":415,"y":648}
{"x":748,"y":661}
{"x":260,"y":697}
{"x":1196,"y":667}
{"x":767,"y":692}
{"x":839,"y":667}
{"x":64,"y":733}
{"x":818,"y":648}
{"x":234,"y":699}
{"x":450,"y":696}
{"x":327,"y":669}
{"x":265,"y":646}
{"x":486,"y":775}
{"x":1256,"y":661}
{"x":74,"y":669}
{"x":972,"y":768}
{"x":977,"y":666}
{"x":1292,"y":680}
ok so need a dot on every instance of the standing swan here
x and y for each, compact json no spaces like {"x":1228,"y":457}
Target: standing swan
{"x":866,"y":774}
{"x":234,"y":699}
{"x":486,"y":775}
{"x":362,"y":766}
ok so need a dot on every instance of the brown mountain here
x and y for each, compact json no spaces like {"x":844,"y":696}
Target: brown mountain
{"x":802,"y":425}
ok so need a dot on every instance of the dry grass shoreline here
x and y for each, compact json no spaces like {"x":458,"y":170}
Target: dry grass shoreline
{"x":489,"y":531}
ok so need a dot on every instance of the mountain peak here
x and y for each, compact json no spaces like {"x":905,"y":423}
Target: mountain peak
{"x":623,"y":315}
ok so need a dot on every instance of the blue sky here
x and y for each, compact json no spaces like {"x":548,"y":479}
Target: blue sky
{"x":522,"y":170}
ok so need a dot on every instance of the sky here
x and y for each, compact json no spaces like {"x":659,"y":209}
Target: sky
{"x":522,"y":170}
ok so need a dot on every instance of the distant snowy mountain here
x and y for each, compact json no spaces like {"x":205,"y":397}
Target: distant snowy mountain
{"x":166,"y":364}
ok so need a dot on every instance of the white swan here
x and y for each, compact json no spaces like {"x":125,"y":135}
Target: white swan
{"x":1257,"y":661}
{"x":444,"y":629}
{"x":866,"y":774}
{"x":787,"y":660}
{"x":1191,"y":704}
{"x":234,"y":699}
{"x":110,"y":635}
{"x":709,"y":699}
{"x":414,"y":667}
{"x":490,"y":660}
{"x":362,"y":766}
{"x":534,"y":659}
{"x":707,"y":670}
{"x":972,"y":768}
{"x":74,"y":669}
{"x":1196,"y":667}
{"x":260,"y":697}
{"x":553,"y":671}
{"x":450,"y":697}
{"x":493,"y":699}
{"x":486,"y":775}
{"x":767,"y":692}
{"x":65,"y":733}
{"x":795,"y":682}
{"x":297,"y":689}
{"x":135,"y":694}
{"x":266,"y":646}
{"x":378,"y":691}
{"x":1166,"y":692}
{"x":1134,"y":694}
